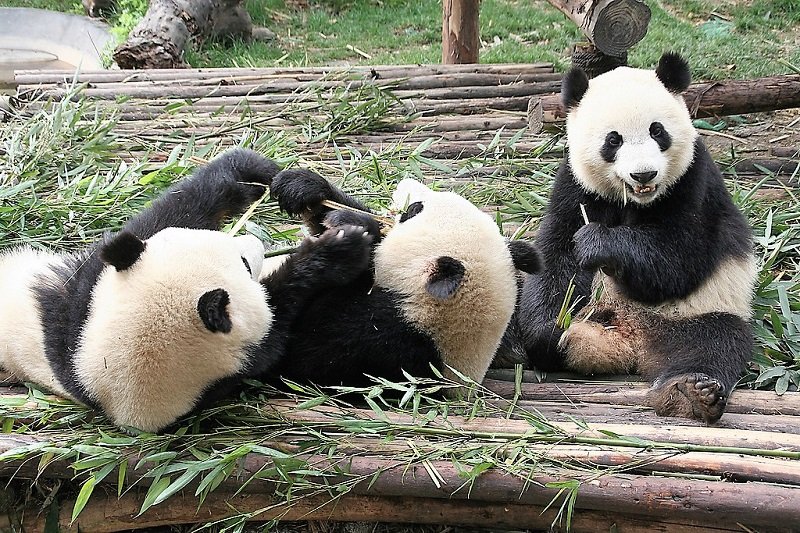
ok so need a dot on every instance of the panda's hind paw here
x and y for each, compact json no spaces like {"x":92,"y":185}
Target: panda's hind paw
{"x":342,"y":253}
{"x":694,"y":395}
{"x":339,"y":218}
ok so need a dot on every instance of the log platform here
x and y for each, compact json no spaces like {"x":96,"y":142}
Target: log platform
{"x":534,"y":453}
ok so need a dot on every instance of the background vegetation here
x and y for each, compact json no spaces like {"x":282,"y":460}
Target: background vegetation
{"x":731,"y":39}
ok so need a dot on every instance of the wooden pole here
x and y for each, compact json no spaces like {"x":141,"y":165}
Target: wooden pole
{"x":460,"y":31}
{"x":613,"y":26}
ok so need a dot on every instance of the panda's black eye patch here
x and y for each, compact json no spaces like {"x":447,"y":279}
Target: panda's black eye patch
{"x":247,"y":265}
{"x":610,"y":146}
{"x":660,"y":136}
{"x":412,"y":211}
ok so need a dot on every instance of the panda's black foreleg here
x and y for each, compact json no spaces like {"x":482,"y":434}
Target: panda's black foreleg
{"x":336,"y":258}
{"x":651,"y":264}
{"x":300,"y":192}
{"x":543,"y":296}
{"x":695,"y":363}
{"x":225,"y":186}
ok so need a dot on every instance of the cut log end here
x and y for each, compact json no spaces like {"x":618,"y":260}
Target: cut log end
{"x":619,"y":25}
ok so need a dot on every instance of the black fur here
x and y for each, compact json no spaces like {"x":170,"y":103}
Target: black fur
{"x":674,"y":73}
{"x":610,"y":146}
{"x":122,"y":251}
{"x":525,"y":256}
{"x":446,"y":277}
{"x":660,"y":136}
{"x":657,"y":252}
{"x":573,"y":87}
{"x":213,"y":310}
{"x":356,"y":329}
{"x":223,"y":187}
{"x":412,"y":211}
{"x":300,"y":192}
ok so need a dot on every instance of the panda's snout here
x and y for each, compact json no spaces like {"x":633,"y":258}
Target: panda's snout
{"x":644,"y":177}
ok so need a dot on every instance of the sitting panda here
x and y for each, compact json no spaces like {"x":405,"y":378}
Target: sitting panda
{"x":665,"y":260}
{"x":439,"y":292}
{"x":167,"y":314}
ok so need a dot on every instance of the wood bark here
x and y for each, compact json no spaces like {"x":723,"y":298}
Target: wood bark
{"x":460,"y":31}
{"x":111,"y":514}
{"x":613,"y":26}
{"x":707,"y":99}
{"x":160,"y":38}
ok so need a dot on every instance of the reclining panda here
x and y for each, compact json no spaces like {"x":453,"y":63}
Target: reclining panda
{"x":439,"y":291}
{"x":664,"y":246}
{"x":167,"y":314}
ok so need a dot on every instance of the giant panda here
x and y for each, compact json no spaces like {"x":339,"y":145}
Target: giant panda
{"x":439,"y":292}
{"x":167,"y":314}
{"x":665,"y":260}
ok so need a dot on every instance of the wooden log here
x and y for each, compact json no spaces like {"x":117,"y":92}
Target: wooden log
{"x":461,"y":37}
{"x":36,"y":77}
{"x":741,"y":401}
{"x":708,"y":99}
{"x":159,"y":39}
{"x":288,"y":90}
{"x":109,"y":514}
{"x":613,"y":26}
{"x":774,"y":165}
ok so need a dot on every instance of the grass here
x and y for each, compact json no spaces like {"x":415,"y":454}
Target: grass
{"x":721,"y":40}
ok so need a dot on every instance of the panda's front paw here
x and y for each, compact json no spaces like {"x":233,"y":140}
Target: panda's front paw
{"x":342,"y":254}
{"x":591,"y":247}
{"x":340,"y":217}
{"x":300,"y":191}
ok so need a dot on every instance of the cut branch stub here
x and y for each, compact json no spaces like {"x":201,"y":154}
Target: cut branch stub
{"x":613,"y":26}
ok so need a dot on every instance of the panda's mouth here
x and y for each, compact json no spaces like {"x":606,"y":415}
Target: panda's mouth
{"x":641,"y":191}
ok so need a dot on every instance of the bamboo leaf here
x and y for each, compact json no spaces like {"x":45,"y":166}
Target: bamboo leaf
{"x":83,"y":497}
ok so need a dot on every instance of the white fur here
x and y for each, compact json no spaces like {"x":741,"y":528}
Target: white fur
{"x":628,"y":100}
{"x":145,"y":355}
{"x":22,"y":349}
{"x":729,"y":289}
{"x":467,"y":327}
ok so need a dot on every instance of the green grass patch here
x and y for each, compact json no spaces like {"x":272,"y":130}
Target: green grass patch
{"x":729,"y":40}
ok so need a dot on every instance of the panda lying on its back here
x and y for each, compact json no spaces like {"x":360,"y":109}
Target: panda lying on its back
{"x":665,"y":244}
{"x":441,"y":289}
{"x":166,"y":314}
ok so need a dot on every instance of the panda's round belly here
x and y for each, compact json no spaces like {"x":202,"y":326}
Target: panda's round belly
{"x":729,"y":289}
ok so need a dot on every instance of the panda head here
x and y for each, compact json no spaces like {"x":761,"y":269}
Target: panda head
{"x":170,"y":316}
{"x":453,"y":271}
{"x":629,"y":132}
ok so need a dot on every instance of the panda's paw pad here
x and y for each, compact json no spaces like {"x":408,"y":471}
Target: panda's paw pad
{"x":695,"y":395}
{"x":339,"y":217}
{"x":346,"y":251}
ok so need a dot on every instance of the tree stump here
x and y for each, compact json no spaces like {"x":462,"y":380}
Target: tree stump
{"x":613,"y":26}
{"x":160,"y":38}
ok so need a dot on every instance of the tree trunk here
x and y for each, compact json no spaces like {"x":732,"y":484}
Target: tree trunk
{"x":708,"y":99}
{"x":160,"y":38}
{"x":460,"y":31}
{"x":613,"y":26}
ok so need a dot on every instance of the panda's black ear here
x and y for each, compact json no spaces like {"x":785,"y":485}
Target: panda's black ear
{"x":573,"y":87}
{"x":445,"y":277}
{"x":525,"y":256}
{"x":673,"y":71}
{"x":122,"y":251}
{"x":213,"y":310}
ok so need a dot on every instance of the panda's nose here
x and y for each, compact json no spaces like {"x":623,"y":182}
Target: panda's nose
{"x":644,"y":177}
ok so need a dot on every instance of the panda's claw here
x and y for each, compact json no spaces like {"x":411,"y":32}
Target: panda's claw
{"x":693,"y":395}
